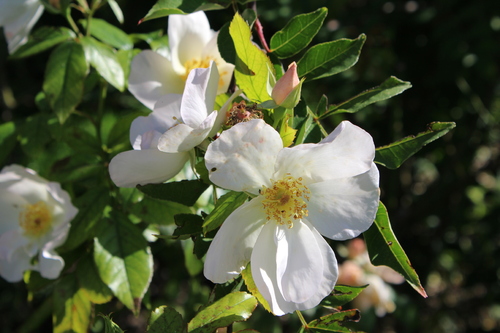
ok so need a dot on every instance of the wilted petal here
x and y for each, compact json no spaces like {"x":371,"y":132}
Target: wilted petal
{"x":349,"y":153}
{"x":199,"y":95}
{"x":344,"y":208}
{"x":231,"y":249}
{"x":134,"y":167}
{"x":300,"y":273}
{"x":152,"y":76}
{"x":243,"y":157}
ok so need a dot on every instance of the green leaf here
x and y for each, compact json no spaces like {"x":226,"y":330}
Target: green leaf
{"x":185,"y":192}
{"x":71,"y":309}
{"x":384,"y":249}
{"x":252,"y":65}
{"x":233,"y":307}
{"x":330,"y":58}
{"x":109,"y":34}
{"x":167,"y":7}
{"x":115,"y":7}
{"x":225,"y":44}
{"x":109,"y":325}
{"x":8,"y":139}
{"x":43,"y":39}
{"x":166,"y":319}
{"x":334,"y":322}
{"x":342,"y":295}
{"x":91,"y":284}
{"x":124,"y":260}
{"x":298,"y":33}
{"x":155,"y":211}
{"x":103,"y":58}
{"x":224,"y":207}
{"x":321,"y":108}
{"x":246,"y":274}
{"x":64,"y":78}
{"x":188,"y":225}
{"x":389,"y":88}
{"x":90,"y":206}
{"x":394,"y":154}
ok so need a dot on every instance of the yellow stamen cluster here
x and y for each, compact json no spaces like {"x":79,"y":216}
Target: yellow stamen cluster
{"x":195,"y":63}
{"x":285,"y":201}
{"x":36,"y":219}
{"x":201,"y":63}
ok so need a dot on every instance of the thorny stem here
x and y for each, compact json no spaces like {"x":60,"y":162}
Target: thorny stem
{"x":260,"y":29}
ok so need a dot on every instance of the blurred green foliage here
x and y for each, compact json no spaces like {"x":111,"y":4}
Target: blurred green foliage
{"x":444,"y":202}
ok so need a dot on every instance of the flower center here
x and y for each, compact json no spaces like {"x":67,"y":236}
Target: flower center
{"x":36,"y":219}
{"x":195,"y":63}
{"x":285,"y":201}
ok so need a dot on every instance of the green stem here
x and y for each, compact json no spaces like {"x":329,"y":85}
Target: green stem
{"x":301,"y":317}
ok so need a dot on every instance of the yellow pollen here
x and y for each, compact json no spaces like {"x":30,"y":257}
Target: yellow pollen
{"x":195,"y":63}
{"x":36,"y":219}
{"x":285,"y":201}
{"x":201,"y":63}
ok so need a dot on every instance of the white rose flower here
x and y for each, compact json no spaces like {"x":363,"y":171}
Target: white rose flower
{"x":192,"y":45}
{"x":17,"y":17}
{"x":35,"y":220}
{"x":164,"y":140}
{"x":301,"y":193}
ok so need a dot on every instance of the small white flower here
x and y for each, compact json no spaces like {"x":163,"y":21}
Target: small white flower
{"x":35,"y":220}
{"x":192,"y":45}
{"x":329,"y":189}
{"x":164,"y":139}
{"x":17,"y":17}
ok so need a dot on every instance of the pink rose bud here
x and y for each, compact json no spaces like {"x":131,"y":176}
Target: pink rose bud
{"x":287,"y":90}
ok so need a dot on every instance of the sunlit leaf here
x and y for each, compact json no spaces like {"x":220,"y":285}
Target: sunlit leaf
{"x":252,"y":287}
{"x":166,"y":319}
{"x":237,"y":306}
{"x":334,"y":322}
{"x":64,"y":78}
{"x":155,"y":211}
{"x":330,"y":58}
{"x":224,"y":207}
{"x":185,"y":192}
{"x":252,"y":64}
{"x":384,"y":249}
{"x":389,"y":88}
{"x":115,"y":7}
{"x":109,"y":34}
{"x":394,"y":154}
{"x":342,"y":295}
{"x":124,"y":260}
{"x":103,"y":58}
{"x":90,"y":283}
{"x":43,"y":39}
{"x":71,"y":308}
{"x":297,"y":33}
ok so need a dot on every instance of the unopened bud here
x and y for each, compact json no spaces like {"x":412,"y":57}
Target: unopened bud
{"x":286,"y":92}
